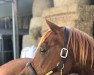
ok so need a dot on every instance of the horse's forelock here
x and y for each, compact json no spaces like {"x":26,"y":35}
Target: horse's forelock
{"x":83,"y":46}
{"x":43,"y":38}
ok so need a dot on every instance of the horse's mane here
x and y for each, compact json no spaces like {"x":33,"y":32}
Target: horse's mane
{"x":83,"y":47}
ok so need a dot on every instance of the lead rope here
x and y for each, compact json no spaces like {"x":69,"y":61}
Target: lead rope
{"x":55,"y":70}
{"x":49,"y":73}
{"x":61,"y":70}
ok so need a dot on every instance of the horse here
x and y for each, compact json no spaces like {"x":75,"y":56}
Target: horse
{"x":15,"y":67}
{"x":64,"y":50}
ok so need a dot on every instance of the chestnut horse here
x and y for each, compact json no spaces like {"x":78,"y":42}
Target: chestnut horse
{"x":64,"y":50}
{"x":15,"y":67}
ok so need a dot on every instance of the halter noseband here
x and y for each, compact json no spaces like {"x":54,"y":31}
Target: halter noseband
{"x":63,"y":55}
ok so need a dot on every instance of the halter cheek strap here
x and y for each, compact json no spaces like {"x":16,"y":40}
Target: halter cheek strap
{"x":63,"y":54}
{"x":64,"y":51}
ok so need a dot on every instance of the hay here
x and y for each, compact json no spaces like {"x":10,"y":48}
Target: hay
{"x":86,"y":12}
{"x":40,"y":5}
{"x":36,"y":22}
{"x":28,"y":41}
{"x":60,"y":10}
{"x":85,"y":26}
{"x":70,"y":2}
{"x":62,"y":16}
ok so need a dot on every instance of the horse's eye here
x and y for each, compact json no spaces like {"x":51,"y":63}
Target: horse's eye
{"x":43,"y":50}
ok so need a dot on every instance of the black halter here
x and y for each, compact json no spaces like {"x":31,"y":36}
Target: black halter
{"x":63,"y":55}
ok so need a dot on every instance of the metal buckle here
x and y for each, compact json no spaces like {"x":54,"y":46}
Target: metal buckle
{"x":64,"y":53}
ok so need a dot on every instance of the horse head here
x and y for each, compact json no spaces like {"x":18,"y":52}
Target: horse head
{"x":63,"y":50}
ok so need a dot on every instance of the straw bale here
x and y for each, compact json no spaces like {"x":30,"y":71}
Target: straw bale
{"x":70,"y":2}
{"x":36,"y":22}
{"x":85,"y":26}
{"x":28,"y":41}
{"x":39,"y":6}
{"x":86,"y":12}
{"x":60,"y":10}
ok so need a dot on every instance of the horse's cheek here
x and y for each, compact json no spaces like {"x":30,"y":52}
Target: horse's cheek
{"x":36,"y":60}
{"x":67,"y":67}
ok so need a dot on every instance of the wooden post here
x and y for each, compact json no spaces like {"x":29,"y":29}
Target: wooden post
{"x":15,"y":29}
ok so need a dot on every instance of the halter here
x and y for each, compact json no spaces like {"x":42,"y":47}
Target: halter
{"x":63,"y":55}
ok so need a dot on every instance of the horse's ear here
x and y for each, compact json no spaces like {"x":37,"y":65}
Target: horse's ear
{"x":53,"y":26}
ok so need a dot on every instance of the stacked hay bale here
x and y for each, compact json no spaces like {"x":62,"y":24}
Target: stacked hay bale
{"x":70,"y":2}
{"x":39,"y":6}
{"x":27,"y":41}
{"x":77,"y":13}
{"x":36,"y":23}
{"x":86,"y":18}
{"x":74,"y":13}
{"x":62,"y":15}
